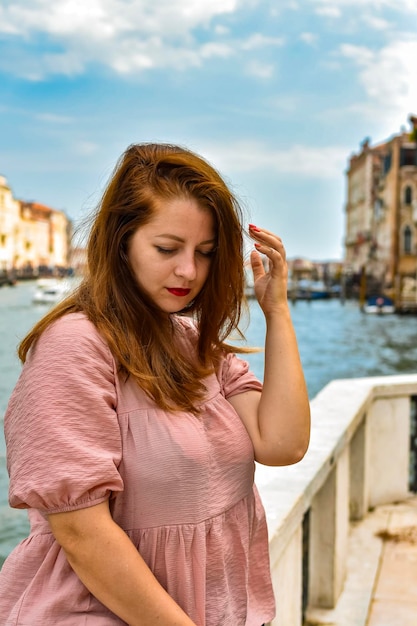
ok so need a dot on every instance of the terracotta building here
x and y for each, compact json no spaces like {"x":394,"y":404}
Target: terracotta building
{"x":33,"y":237}
{"x":9,"y":226}
{"x":381,"y":215}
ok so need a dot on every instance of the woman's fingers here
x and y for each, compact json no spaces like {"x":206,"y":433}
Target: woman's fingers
{"x":258,"y":268}
{"x":266,"y":242}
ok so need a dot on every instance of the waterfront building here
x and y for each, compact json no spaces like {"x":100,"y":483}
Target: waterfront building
{"x":34,"y":238}
{"x":381,"y":215}
{"x":9,"y":226}
{"x":44,"y":237}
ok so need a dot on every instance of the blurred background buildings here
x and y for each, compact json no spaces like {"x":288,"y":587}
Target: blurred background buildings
{"x":381,"y":217}
{"x":34,"y":239}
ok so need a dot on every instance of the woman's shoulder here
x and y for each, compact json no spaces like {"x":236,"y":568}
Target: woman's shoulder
{"x":73,"y":325}
{"x":74,"y":333}
{"x":77,"y":320}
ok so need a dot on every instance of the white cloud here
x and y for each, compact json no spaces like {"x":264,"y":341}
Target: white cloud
{"x":334,"y":7}
{"x":103,"y":19}
{"x":328,"y":10}
{"x":298,"y":160}
{"x":309,"y":38}
{"x":85,"y":148}
{"x":220,"y":29}
{"x":377,"y":23}
{"x":361,"y":54}
{"x":260,"y":70}
{"x":284,"y":103}
{"x":257,"y":40}
{"x":216,"y":49}
{"x":389,"y":79}
{"x":53,"y":118}
{"x":126,"y":35}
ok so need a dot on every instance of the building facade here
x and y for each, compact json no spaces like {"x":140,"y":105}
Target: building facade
{"x":9,"y":226}
{"x":34,"y":239}
{"x":381,"y":215}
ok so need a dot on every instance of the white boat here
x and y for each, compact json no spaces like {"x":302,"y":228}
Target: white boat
{"x":52,"y":290}
{"x":379,"y":305}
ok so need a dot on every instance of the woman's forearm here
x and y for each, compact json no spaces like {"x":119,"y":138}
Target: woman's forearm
{"x":106,"y":561}
{"x":284,"y":409}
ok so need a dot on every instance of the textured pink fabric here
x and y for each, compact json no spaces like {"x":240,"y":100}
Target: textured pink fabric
{"x":180,"y":486}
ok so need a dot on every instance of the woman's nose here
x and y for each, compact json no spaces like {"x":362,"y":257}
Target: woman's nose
{"x":186,"y":267}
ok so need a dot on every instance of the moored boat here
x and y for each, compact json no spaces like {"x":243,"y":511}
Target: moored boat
{"x":52,"y":290}
{"x":379,"y":305}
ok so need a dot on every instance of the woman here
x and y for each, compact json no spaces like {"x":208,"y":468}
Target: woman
{"x":133,"y":429}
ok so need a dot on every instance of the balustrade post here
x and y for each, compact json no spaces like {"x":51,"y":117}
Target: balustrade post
{"x":287,"y":582}
{"x":329,"y":530}
{"x":359,"y":463}
{"x":388,"y":426}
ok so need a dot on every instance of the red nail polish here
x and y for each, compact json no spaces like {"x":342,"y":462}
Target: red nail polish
{"x":253,"y":227}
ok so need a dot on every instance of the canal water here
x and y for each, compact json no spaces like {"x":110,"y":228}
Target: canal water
{"x":335,"y":340}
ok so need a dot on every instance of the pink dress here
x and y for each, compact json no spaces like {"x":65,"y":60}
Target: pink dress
{"x":180,"y":486}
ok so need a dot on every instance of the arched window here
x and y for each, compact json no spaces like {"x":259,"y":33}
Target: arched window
{"x":407,"y":240}
{"x":408,"y":195}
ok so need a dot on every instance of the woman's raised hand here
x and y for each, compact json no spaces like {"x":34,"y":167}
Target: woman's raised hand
{"x":270,"y":285}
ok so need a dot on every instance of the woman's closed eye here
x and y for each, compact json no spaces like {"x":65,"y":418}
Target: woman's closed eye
{"x":165,"y":250}
{"x":204,"y":253}
{"x":207,"y":253}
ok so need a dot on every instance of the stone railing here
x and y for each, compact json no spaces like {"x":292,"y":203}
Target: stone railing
{"x":358,"y":458}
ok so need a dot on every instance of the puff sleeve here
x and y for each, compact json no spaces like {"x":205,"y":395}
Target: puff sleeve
{"x":62,"y":432}
{"x":235,"y":376}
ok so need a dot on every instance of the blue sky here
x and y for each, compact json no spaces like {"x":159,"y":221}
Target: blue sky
{"x":276,"y":94}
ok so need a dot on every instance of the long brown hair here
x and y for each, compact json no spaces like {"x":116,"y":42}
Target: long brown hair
{"x":140,"y":335}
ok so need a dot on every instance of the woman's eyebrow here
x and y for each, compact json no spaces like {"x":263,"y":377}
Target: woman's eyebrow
{"x":180,"y":240}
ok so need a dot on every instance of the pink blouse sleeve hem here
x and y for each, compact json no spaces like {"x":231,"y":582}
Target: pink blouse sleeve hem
{"x":67,"y":508}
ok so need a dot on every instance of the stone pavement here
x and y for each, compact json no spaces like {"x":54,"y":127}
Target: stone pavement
{"x":381,"y":583}
{"x":394,"y":601}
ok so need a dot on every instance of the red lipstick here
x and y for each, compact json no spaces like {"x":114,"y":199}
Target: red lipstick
{"x":176,"y":291}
